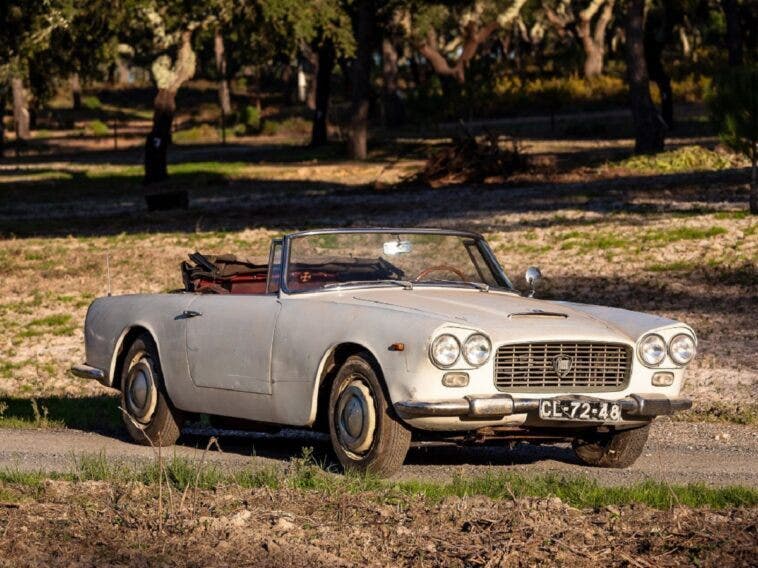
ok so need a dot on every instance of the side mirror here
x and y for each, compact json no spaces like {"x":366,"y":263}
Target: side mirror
{"x":533,"y":275}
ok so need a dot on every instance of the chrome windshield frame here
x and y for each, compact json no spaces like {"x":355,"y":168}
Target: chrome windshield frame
{"x":482,"y":245}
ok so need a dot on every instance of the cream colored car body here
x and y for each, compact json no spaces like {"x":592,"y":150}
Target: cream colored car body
{"x":264,"y":357}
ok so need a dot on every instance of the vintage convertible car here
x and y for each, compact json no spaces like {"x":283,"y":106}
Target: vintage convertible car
{"x":381,"y":337}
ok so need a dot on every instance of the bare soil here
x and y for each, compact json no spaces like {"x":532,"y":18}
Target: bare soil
{"x":101,"y":524}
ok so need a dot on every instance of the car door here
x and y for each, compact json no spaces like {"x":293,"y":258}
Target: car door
{"x":228,"y":339}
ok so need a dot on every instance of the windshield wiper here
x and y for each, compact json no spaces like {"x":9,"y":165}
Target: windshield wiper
{"x":405,"y":284}
{"x":478,"y":285}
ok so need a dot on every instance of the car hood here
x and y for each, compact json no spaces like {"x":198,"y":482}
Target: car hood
{"x":510,"y":317}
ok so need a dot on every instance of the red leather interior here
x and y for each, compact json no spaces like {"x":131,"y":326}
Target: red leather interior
{"x":237,"y":284}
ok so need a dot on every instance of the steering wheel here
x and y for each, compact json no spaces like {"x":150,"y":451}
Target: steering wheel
{"x":440,"y":268}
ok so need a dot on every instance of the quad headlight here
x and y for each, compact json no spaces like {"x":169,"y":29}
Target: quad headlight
{"x":682,"y":348}
{"x":652,"y":350}
{"x":445,"y":350}
{"x":477,"y":349}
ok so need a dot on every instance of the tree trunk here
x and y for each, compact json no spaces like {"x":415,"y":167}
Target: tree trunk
{"x":394,"y":112}
{"x":593,"y":59}
{"x":657,"y":72}
{"x":311,"y":54}
{"x":592,"y":42}
{"x":20,"y":109}
{"x":754,"y":181}
{"x":319,"y":134}
{"x":159,"y":138}
{"x":2,"y":121}
{"x":168,"y":80}
{"x":733,"y":31}
{"x":648,"y":127}
{"x":659,"y":30}
{"x":360,"y":73}
{"x":122,"y":72}
{"x":224,"y":97}
{"x":76,"y":92}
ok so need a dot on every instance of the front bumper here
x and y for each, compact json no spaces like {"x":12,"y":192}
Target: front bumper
{"x":88,"y":372}
{"x":500,"y":405}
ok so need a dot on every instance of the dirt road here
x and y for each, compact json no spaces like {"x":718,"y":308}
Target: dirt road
{"x":677,"y":452}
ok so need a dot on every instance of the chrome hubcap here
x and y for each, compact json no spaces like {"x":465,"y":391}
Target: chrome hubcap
{"x":355,"y":417}
{"x":141,"y":394}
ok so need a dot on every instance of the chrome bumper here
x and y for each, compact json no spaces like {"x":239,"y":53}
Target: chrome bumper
{"x":87,"y":372}
{"x":499,"y":405}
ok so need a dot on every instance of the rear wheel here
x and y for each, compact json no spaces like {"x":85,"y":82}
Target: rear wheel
{"x":148,"y":415}
{"x":618,"y":449}
{"x":365,"y":433}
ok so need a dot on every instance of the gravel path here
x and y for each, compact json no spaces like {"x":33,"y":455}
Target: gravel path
{"x":677,"y":452}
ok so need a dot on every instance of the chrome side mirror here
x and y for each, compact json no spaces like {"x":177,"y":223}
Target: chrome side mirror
{"x":533,"y":275}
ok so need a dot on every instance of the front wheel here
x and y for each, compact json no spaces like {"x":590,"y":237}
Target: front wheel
{"x":617,"y":450}
{"x":365,"y":433}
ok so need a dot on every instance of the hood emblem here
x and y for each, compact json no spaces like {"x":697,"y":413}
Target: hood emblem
{"x":562,"y":365}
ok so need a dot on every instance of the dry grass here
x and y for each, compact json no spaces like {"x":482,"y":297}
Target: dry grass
{"x":674,"y":246}
{"x":622,"y":260}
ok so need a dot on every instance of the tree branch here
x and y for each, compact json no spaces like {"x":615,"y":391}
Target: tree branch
{"x":429,"y":49}
{"x":602,"y":23}
{"x":589,"y":12}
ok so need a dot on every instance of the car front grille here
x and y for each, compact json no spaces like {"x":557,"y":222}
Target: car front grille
{"x":559,"y":366}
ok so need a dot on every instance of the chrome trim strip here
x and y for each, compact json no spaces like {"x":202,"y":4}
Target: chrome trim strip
{"x":417,"y":230}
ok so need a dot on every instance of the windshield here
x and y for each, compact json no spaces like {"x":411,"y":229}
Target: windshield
{"x":333,"y":260}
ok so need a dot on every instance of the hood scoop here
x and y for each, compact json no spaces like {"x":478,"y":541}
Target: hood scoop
{"x":537,"y":313}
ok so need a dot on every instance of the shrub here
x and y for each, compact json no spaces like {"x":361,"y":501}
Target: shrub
{"x":293,"y":125}
{"x":91,"y":102}
{"x":684,"y":159}
{"x":692,"y":88}
{"x":98,"y":128}
{"x":249,"y":121}
{"x":202,"y":133}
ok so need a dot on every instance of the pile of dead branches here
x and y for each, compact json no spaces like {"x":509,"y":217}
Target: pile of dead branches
{"x":473,"y":160}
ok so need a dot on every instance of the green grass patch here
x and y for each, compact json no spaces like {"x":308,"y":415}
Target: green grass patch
{"x":731,"y":215}
{"x":306,"y":475}
{"x":85,"y":413}
{"x":201,"y":133}
{"x":55,"y":324}
{"x":98,"y":128}
{"x":685,"y":159}
{"x":676,"y":266}
{"x":592,"y":241}
{"x":721,"y":412}
{"x":7,"y":369}
{"x":684,"y":234}
{"x":91,"y":102}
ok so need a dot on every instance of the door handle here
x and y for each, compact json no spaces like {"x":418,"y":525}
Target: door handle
{"x":186,"y":314}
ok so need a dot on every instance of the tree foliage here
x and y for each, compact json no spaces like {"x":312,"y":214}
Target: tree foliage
{"x":734,"y":110}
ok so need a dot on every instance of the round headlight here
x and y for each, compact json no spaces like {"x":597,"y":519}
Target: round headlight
{"x":682,"y":349}
{"x":445,"y":350}
{"x":652,"y":350}
{"x":477,"y":349}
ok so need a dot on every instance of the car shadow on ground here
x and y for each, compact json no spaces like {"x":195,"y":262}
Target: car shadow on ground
{"x":101,"y":415}
{"x":289,"y":445}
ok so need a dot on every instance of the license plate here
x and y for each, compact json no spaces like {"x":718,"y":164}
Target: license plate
{"x":580,"y":410}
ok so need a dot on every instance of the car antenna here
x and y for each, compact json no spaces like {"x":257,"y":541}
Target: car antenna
{"x":108,"y":270}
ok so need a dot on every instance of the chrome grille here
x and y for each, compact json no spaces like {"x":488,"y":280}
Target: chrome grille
{"x":533,"y":366}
